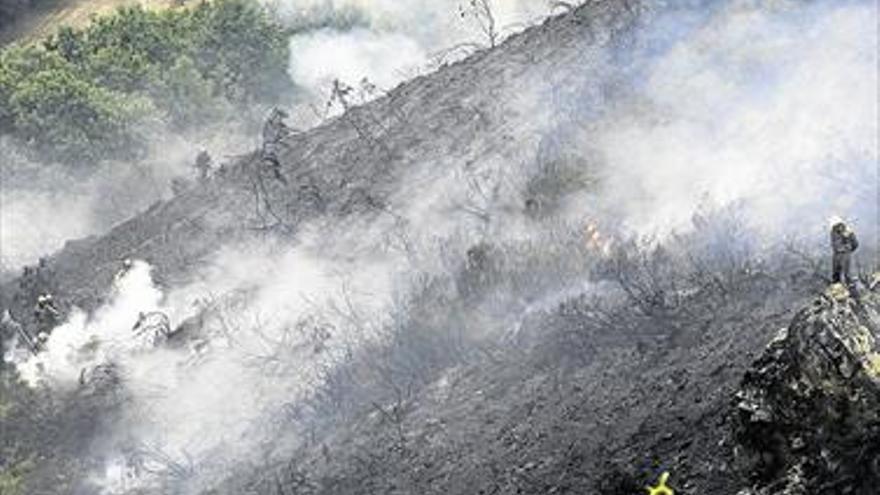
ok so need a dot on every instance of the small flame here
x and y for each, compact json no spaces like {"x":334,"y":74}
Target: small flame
{"x":595,"y":240}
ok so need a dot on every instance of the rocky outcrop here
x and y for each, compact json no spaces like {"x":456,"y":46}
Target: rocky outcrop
{"x":808,"y":411}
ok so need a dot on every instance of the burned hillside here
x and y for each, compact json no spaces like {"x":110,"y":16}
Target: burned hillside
{"x":558,"y":265}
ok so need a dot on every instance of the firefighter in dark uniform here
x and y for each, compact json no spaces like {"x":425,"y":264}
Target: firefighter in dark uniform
{"x":203,"y":165}
{"x":843,"y":244}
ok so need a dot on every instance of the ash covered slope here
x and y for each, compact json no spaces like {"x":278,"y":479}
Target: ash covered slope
{"x":464,"y":113}
{"x":586,"y":395}
{"x":604,"y":398}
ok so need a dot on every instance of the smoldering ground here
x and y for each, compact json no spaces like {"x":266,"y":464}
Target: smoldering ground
{"x":761,"y":116}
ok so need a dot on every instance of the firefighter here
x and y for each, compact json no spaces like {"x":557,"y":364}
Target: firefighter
{"x":843,"y":244}
{"x":274,"y":131}
{"x":203,"y":165}
{"x":46,"y":315}
{"x":46,"y":304}
{"x":340,"y":92}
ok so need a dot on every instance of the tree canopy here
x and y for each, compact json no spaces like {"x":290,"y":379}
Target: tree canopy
{"x":81,"y":94}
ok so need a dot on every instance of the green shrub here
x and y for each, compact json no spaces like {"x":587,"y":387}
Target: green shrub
{"x":191,"y":98}
{"x":80,"y":95}
{"x":12,"y":477}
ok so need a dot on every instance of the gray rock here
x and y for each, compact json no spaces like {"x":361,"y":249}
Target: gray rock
{"x":807,"y":413}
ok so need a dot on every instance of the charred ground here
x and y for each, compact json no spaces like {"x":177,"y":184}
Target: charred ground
{"x":597,"y":391}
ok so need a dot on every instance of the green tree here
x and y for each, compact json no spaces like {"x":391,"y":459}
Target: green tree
{"x":48,"y":104}
{"x":242,"y":50}
{"x":81,"y":94}
{"x":190,"y":98}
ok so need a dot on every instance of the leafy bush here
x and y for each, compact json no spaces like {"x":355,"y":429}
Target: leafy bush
{"x":46,"y":103}
{"x":12,"y":478}
{"x":80,"y":94}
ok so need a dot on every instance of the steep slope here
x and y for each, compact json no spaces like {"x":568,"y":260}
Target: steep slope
{"x":464,"y":113}
{"x":588,"y":405}
{"x":354,"y":166}
{"x":492,"y":379}
{"x":596,"y":399}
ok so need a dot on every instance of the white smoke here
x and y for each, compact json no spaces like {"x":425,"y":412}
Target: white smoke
{"x":769,"y":110}
{"x":766,"y":109}
{"x":773,"y":107}
{"x":274,"y":313}
{"x":396,"y":40}
{"x":85,"y":341}
{"x":383,"y":59}
{"x":43,"y":205}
